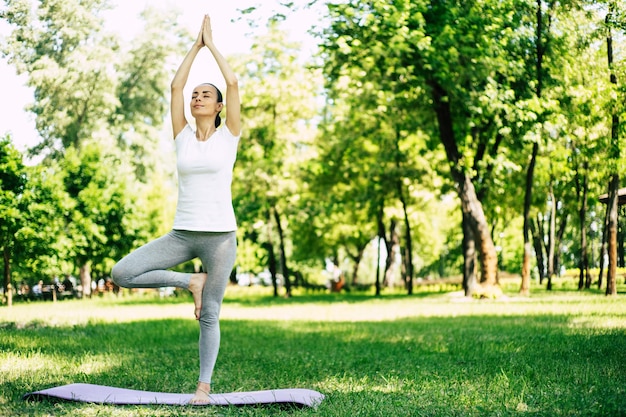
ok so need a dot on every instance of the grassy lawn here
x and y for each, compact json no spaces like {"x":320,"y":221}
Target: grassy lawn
{"x":432,"y":354}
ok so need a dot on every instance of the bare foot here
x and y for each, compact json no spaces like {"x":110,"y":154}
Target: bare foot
{"x":201,"y":397}
{"x":196,"y":284}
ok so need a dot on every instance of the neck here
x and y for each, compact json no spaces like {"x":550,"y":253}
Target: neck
{"x":204,"y":129}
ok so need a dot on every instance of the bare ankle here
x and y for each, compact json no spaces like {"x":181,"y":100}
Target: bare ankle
{"x":202,"y":394}
{"x":196,"y":282}
{"x":204,"y":387}
{"x":196,"y":285}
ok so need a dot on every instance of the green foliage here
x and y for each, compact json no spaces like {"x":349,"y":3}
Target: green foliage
{"x":143,"y":75}
{"x":279,"y":106}
{"x":13,"y":180}
{"x":41,"y":251}
{"x":12,"y":177}
{"x":56,"y":44}
{"x":12,"y":183}
{"x":481,"y":56}
{"x":328,"y":142}
{"x":102,"y":205}
{"x":99,"y":108}
{"x":33,"y":206}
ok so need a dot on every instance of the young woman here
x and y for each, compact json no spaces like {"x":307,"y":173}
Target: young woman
{"x":205,"y":224}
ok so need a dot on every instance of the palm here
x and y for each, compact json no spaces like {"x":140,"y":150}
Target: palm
{"x":207,"y":34}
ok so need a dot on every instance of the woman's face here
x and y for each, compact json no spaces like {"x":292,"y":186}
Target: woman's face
{"x":204,"y":101}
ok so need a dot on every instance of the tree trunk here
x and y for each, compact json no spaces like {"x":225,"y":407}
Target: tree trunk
{"x":584,"y":280}
{"x":377,"y":284}
{"x":537,"y":237}
{"x":408,"y":251}
{"x":271,"y":265}
{"x":357,"y":263}
{"x":620,"y":237}
{"x":392,"y":245}
{"x":603,"y":253}
{"x":467,"y":193}
{"x":530,"y":173}
{"x":84,"y":272}
{"x":480,"y":229}
{"x":389,"y":253}
{"x":540,"y":49}
{"x":611,"y":277}
{"x":283,"y":255}
{"x":381,"y":239}
{"x":557,"y":245}
{"x":551,"y":238}
{"x":408,"y":254}
{"x":271,"y":257}
{"x":469,"y":258}
{"x":6,"y":256}
{"x":525,"y":286}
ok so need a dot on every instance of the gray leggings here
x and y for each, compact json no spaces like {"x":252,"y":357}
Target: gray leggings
{"x":147,"y":267}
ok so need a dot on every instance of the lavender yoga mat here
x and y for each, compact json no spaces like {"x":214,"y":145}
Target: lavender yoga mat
{"x":102,"y":394}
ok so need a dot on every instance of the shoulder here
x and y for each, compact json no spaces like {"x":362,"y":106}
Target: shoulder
{"x":184,"y":134}
{"x":225,"y":133}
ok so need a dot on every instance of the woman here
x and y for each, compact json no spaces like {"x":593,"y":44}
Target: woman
{"x":204,"y":225}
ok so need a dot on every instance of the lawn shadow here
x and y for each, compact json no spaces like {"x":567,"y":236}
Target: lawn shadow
{"x":438,"y":365}
{"x":254,"y":299}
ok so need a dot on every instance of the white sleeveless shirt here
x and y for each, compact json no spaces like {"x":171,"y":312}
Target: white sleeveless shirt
{"x":205,"y":173}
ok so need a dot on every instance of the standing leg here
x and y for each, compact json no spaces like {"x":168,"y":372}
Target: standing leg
{"x":218,"y":259}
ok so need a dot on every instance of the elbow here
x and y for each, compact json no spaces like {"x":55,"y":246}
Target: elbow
{"x":175,"y":86}
{"x":232,"y":82}
{"x":178,"y":83}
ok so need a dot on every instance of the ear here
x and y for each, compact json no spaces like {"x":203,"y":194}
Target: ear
{"x":220,"y":106}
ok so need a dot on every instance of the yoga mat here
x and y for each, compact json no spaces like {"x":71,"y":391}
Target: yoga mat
{"x":102,"y":394}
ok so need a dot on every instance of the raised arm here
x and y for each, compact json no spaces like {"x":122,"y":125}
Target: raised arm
{"x":233,"y":103}
{"x":177,"y":105}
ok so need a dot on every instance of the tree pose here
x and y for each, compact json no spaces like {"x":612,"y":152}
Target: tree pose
{"x":204,"y":224}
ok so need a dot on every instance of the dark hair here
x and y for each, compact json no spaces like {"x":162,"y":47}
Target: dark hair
{"x":220,"y":99}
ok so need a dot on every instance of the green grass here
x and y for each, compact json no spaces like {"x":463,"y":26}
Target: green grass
{"x":554,"y":354}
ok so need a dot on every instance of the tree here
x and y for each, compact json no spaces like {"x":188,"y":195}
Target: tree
{"x":541,"y":39}
{"x":583,"y":129}
{"x":32,"y":205}
{"x":60,"y":47}
{"x":279,"y":105}
{"x":453,"y":57}
{"x":614,"y":151}
{"x":99,"y":225}
{"x":41,"y":241}
{"x":88,"y":90}
{"x":143,"y":74}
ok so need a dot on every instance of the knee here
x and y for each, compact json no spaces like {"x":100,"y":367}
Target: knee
{"x":210,"y":312}
{"x":119,"y":277}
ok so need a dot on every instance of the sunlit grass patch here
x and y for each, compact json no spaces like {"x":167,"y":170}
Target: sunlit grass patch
{"x":551,"y":354}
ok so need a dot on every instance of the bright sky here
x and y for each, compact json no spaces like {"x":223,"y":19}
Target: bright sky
{"x":230,"y":37}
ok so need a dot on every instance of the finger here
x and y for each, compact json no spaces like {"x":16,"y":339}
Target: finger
{"x":202,"y":27}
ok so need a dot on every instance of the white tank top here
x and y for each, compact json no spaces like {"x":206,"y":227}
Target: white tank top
{"x":205,"y":173}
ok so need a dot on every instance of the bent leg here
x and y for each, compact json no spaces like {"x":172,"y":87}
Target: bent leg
{"x":147,"y":266}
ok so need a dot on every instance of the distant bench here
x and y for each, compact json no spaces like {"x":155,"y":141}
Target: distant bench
{"x":443,"y":284}
{"x":50,"y":293}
